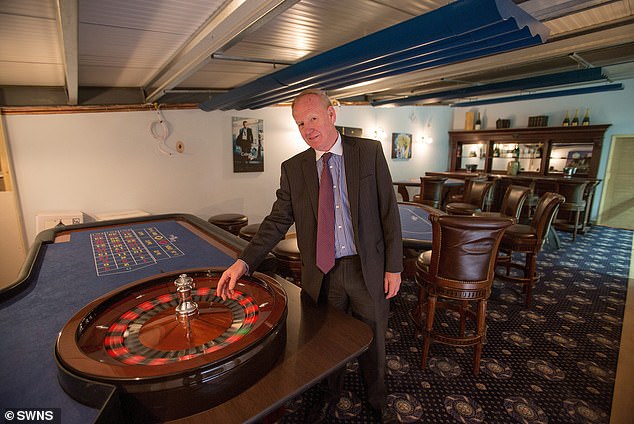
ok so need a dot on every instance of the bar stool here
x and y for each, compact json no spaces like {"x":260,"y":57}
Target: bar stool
{"x":512,"y":203}
{"x":458,"y":193}
{"x":473,"y":200}
{"x":458,"y":275}
{"x":431,"y":191}
{"x":527,"y":240}
{"x":573,"y":192}
{"x":531,"y":200}
{"x":588,"y":196}
{"x":231,"y":222}
{"x":289,"y":260}
{"x":248,"y":231}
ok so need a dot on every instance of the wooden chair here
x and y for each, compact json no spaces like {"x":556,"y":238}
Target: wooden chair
{"x":512,"y":203}
{"x":431,"y":191}
{"x":527,"y":239}
{"x":458,"y":274}
{"x":574,"y":205}
{"x":473,"y":200}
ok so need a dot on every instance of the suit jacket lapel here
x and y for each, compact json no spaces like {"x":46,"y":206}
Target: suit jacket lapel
{"x":309,"y":169}
{"x":352,"y":161}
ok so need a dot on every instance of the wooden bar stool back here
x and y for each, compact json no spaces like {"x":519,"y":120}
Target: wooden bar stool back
{"x":512,"y":203}
{"x":431,"y":191}
{"x":473,"y":200}
{"x":458,"y":275}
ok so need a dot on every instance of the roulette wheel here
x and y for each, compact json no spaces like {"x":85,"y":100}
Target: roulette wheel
{"x":170,"y":346}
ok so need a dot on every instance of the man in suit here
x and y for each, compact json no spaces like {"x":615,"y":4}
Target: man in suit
{"x":368,"y":243}
{"x":245,"y":140}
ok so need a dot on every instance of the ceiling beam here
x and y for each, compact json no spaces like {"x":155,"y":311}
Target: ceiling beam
{"x":67,"y":24}
{"x":236,"y":17}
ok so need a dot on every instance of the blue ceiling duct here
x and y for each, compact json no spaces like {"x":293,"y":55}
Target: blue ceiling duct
{"x":544,"y":95}
{"x":465,"y":29}
{"x":551,"y":80}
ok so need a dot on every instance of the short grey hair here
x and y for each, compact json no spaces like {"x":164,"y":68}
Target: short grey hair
{"x":314,"y":91}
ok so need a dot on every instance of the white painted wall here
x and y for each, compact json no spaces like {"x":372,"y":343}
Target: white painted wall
{"x":109,"y":162}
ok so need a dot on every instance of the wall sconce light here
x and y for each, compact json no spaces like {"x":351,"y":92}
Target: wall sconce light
{"x":426,"y":140}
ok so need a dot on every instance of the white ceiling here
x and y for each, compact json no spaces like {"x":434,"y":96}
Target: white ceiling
{"x":110,"y":52}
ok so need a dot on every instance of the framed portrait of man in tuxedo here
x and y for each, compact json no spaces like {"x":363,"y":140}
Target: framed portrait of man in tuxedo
{"x":247,"y":144}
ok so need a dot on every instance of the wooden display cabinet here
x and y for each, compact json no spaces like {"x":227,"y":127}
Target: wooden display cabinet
{"x":540,"y":151}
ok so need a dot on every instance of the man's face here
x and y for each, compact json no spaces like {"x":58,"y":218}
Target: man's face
{"x":315,"y":122}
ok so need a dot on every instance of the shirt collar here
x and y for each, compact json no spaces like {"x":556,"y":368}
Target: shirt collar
{"x":336,"y":148}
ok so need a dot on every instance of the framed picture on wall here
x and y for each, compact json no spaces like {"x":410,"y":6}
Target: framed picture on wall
{"x":401,"y":146}
{"x":580,"y":160}
{"x":248,"y":144}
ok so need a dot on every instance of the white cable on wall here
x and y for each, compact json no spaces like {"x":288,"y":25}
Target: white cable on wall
{"x":160,"y":131}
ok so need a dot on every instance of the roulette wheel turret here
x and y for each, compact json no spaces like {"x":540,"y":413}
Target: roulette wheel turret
{"x":170,"y":346}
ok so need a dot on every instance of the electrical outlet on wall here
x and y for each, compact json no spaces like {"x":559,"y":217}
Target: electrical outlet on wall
{"x":46,"y":220}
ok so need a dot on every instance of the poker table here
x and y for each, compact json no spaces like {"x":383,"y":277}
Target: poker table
{"x":88,"y":327}
{"x":415,"y":224}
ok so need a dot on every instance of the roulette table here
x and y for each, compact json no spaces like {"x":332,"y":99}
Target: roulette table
{"x":117,"y":321}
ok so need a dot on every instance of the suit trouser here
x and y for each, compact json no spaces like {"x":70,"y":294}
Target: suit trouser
{"x":345,"y":289}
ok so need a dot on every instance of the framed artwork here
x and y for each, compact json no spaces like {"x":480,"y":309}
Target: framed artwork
{"x":580,"y":160}
{"x":248,"y":144}
{"x":401,"y":146}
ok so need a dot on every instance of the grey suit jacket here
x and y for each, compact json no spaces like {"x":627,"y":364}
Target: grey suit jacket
{"x":373,"y":206}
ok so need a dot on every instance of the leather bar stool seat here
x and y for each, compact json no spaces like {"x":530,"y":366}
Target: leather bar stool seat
{"x":289,"y":260}
{"x":248,"y":231}
{"x":231,"y":222}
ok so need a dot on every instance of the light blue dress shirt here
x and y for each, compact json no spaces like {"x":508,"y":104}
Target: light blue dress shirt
{"x":344,"y":235}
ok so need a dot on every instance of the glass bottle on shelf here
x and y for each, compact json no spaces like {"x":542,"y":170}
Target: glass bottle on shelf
{"x":496,"y":151}
{"x":575,"y":119}
{"x":478,"y":122}
{"x":566,"y":121}
{"x":586,"y":118}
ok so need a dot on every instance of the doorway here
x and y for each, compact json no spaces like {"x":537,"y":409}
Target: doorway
{"x":617,"y":201}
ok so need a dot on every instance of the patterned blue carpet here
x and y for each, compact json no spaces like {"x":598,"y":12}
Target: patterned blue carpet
{"x":552,"y":363}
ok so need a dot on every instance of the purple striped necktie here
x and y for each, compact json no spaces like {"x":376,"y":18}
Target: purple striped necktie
{"x":326,"y":219}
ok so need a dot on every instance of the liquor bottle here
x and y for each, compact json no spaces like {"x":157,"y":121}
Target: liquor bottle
{"x":586,"y":118}
{"x":496,"y":152}
{"x":478,"y":123}
{"x":575,"y":119}
{"x":566,"y":120}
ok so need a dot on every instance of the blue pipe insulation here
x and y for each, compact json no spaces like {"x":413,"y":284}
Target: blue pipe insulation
{"x":453,"y":22}
{"x":550,"y":80}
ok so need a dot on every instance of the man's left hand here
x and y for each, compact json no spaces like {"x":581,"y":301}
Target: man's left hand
{"x":391,"y":284}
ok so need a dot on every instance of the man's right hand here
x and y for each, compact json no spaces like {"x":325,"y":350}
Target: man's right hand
{"x":229,"y":278}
